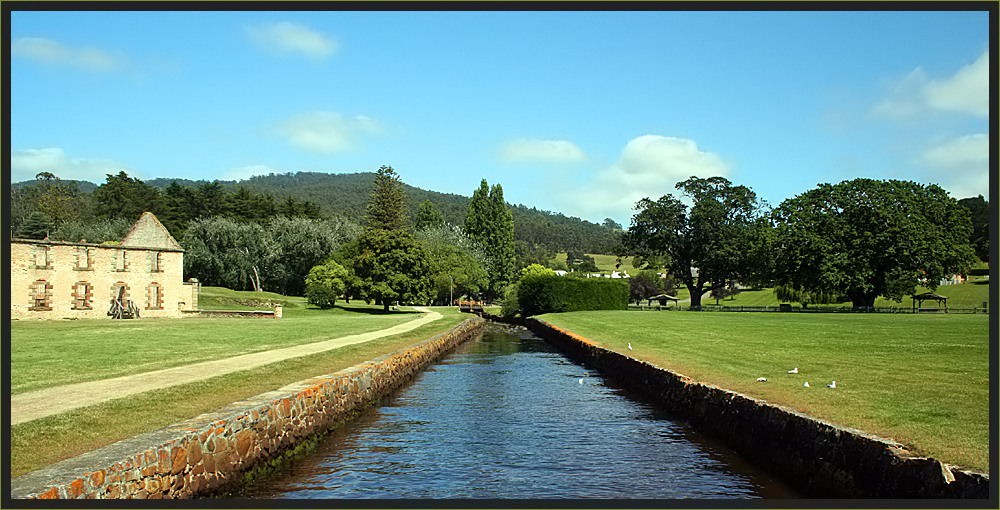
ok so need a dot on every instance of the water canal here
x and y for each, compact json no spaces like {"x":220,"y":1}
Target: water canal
{"x":509,"y":417}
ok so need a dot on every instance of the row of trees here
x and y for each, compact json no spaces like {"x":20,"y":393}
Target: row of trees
{"x":857,"y":240}
{"x":44,"y":210}
{"x":387,"y":263}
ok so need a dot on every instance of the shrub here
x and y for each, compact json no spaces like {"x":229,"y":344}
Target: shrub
{"x":324,"y":283}
{"x":539,"y":293}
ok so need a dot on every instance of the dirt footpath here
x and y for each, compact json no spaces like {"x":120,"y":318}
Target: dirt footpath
{"x":41,"y":403}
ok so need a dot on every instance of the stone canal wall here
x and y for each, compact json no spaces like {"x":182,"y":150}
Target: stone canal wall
{"x":820,"y":458}
{"x":207,"y":453}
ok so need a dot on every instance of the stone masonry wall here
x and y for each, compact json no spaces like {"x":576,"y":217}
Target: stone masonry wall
{"x":152,"y":278}
{"x":820,"y":458}
{"x":207,"y":453}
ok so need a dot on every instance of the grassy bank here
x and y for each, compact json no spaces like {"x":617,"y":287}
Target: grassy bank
{"x":42,"y":442}
{"x":55,"y":353}
{"x":922,"y":380}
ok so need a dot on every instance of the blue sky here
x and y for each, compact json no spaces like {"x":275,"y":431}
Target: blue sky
{"x":578,"y":112}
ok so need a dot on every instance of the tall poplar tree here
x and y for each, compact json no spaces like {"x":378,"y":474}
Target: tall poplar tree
{"x":490,"y":223}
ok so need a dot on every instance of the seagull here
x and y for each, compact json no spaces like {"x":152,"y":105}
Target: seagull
{"x":581,"y":380}
{"x":832,"y":384}
{"x":806,"y":385}
{"x":794,"y":370}
{"x":761,"y":379}
{"x":630,"y":346}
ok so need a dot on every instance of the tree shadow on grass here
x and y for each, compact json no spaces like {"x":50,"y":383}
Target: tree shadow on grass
{"x":366,"y":310}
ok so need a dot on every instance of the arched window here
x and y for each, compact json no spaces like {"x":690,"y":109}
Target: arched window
{"x":119,"y":289}
{"x":41,"y":296}
{"x":83,"y":296}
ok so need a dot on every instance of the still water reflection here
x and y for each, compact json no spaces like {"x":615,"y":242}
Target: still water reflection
{"x":509,"y":417}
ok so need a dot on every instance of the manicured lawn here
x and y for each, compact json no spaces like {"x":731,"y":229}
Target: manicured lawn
{"x":54,"y":353}
{"x":42,"y":442}
{"x":922,"y":380}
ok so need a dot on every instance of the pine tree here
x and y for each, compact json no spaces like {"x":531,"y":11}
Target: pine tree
{"x":386,"y":206}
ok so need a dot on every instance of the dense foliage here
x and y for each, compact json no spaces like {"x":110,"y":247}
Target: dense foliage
{"x":386,"y":205}
{"x":392,"y":267}
{"x":274,"y":256}
{"x":318,"y":195}
{"x":703,"y":246}
{"x":325,"y":283}
{"x":490,"y":224}
{"x":979,"y":213}
{"x":545,"y":292}
{"x":866,"y":238}
{"x":458,"y":264}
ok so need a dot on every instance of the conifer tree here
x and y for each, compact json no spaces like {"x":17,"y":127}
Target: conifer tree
{"x":386,"y":205}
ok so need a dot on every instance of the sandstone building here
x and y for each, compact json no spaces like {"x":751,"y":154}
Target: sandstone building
{"x":56,"y":280}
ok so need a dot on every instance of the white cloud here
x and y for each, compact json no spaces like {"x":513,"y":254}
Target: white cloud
{"x":26,"y":164}
{"x":245,"y":172}
{"x":48,"y":51}
{"x":292,"y":38}
{"x":649,"y":166}
{"x":546,"y":151}
{"x":960,"y":165}
{"x":327,"y":132}
{"x":966,"y":92}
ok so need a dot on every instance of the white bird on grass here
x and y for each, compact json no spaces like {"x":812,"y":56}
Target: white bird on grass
{"x":833,"y":384}
{"x":761,"y":379}
{"x":630,"y":346}
{"x":794,"y":370}
{"x":806,"y":385}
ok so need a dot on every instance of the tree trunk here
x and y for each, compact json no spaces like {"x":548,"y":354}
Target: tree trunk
{"x":863,"y":299}
{"x":696,"y":292}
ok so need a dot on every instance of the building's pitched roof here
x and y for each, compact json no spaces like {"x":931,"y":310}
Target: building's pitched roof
{"x":148,"y":232}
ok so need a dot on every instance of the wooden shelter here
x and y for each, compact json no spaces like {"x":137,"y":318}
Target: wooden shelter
{"x":919,"y":299}
{"x":662,"y":298}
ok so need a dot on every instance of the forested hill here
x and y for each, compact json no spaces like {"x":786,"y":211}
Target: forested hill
{"x":347,"y":195}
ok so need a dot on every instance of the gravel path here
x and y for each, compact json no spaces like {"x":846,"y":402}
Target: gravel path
{"x":46,"y":402}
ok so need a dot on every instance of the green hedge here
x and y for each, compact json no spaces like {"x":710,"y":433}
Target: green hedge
{"x":540,"y":294}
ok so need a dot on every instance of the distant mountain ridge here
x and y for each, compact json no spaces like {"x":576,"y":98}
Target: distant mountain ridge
{"x":347,"y":195}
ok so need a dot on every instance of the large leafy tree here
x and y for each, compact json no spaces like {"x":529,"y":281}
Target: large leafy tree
{"x":979,"y":213}
{"x":458,"y":264}
{"x":703,"y":246}
{"x":58,"y":200}
{"x":220,"y":251}
{"x":866,"y":238}
{"x":427,"y":217}
{"x":392,"y":266}
{"x":300,"y":244}
{"x":490,"y":223}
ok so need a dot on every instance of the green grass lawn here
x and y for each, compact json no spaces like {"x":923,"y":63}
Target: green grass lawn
{"x":922,"y":380}
{"x":55,"y":353}
{"x":42,"y":442}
